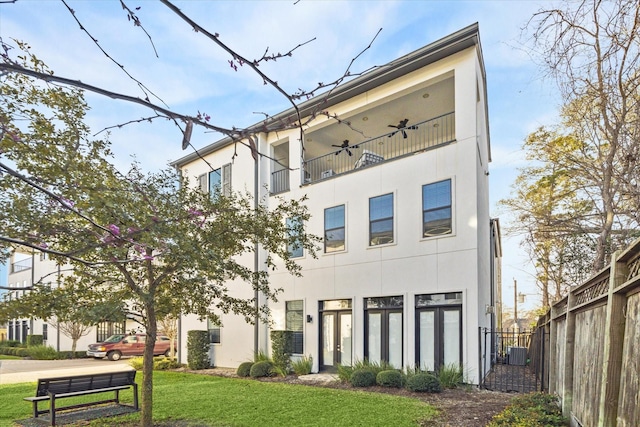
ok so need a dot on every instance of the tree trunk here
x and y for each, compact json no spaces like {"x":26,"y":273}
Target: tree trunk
{"x":146,"y":419}
{"x":74,"y":344}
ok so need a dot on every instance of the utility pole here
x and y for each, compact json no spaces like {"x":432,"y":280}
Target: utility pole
{"x":515,"y":304}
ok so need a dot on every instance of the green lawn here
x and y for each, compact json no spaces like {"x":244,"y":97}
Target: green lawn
{"x":218,"y":401}
{"x":7,"y":357}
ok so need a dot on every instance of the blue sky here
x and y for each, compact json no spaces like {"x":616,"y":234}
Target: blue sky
{"x":192,"y":74}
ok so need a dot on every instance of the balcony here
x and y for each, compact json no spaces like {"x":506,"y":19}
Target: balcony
{"x":24,"y":264}
{"x":399,"y":143}
{"x":279,"y":181}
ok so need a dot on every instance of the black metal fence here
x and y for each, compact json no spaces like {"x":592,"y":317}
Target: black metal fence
{"x":510,"y":360}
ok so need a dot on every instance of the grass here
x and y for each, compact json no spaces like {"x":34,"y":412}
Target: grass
{"x":7,"y":357}
{"x":219,"y":401}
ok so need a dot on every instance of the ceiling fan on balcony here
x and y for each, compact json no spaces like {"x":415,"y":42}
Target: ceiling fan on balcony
{"x":402,"y":127}
{"x":344,"y":146}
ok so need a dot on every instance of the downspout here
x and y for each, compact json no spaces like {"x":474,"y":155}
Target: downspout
{"x":256,"y":325}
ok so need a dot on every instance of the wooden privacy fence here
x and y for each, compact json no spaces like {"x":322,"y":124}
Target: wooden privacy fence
{"x":594,"y":343}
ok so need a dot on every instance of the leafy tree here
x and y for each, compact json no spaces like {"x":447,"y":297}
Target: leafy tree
{"x":592,"y":49}
{"x":152,"y":240}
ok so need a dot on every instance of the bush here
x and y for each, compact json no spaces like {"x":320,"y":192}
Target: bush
{"x":33,"y":340}
{"x":10,"y":343}
{"x":72,"y":355}
{"x":20,"y":352}
{"x":451,"y":376}
{"x":424,"y":382}
{"x":42,"y":352}
{"x":281,"y":346}
{"x":261,"y":356}
{"x":160,"y":363}
{"x":198,"y":350}
{"x":531,"y":410}
{"x":302,"y":366}
{"x":363,"y":377}
{"x":261,"y":369}
{"x":390,"y":378}
{"x":244,"y":370}
{"x":344,"y":372}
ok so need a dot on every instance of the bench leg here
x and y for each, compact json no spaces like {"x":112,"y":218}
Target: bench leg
{"x":52,"y":408}
{"x":135,"y":395}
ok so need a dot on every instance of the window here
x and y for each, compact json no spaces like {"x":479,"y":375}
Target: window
{"x":214,"y":332}
{"x":334,"y":232}
{"x":295,"y":323}
{"x":438,"y":330}
{"x":436,"y":208}
{"x":294,"y":227}
{"x":383,"y":330}
{"x":218,"y":180}
{"x":45,"y":332}
{"x":381,"y":220}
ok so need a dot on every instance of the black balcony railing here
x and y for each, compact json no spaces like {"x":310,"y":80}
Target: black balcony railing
{"x":415,"y":138}
{"x":279,"y":181}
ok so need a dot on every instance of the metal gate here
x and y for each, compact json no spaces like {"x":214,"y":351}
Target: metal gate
{"x":514,"y":361}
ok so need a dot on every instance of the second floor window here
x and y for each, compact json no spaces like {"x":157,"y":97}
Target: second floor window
{"x":436,"y":209}
{"x":334,"y":230}
{"x":294,"y":226}
{"x":216,"y":181}
{"x":381,"y":220}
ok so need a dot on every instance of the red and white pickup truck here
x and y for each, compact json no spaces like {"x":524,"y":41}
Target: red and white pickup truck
{"x":120,"y":345}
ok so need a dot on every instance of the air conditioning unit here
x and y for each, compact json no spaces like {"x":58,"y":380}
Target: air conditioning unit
{"x":327,"y":173}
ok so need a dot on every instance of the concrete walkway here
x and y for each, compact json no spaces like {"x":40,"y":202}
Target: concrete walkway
{"x":23,"y":371}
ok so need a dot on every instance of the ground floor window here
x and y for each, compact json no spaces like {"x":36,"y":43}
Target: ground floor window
{"x":45,"y":332}
{"x":295,"y":323}
{"x":438,"y":330}
{"x":106,"y":329}
{"x":214,"y":331}
{"x":383,"y":330}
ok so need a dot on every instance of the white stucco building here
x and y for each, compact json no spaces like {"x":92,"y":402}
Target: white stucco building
{"x":409,"y":268}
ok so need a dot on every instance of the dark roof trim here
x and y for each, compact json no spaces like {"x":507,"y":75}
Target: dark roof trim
{"x":433,"y":52}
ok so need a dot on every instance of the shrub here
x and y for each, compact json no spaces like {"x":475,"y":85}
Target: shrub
{"x":244,"y":369}
{"x":42,"y":352}
{"x":363,"y":377}
{"x":35,"y":340}
{"x":531,"y":410}
{"x":451,"y":376}
{"x":261,"y":356}
{"x":344,"y":372}
{"x":20,"y":352}
{"x":163,"y":363}
{"x":302,"y":366}
{"x":281,"y":346}
{"x":198,"y":350}
{"x":390,"y":378}
{"x":10,"y":343}
{"x":261,"y":369}
{"x":160,"y":363}
{"x":424,"y":382}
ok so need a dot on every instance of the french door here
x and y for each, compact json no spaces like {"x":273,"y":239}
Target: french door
{"x":335,"y":336}
{"x":439,"y":337}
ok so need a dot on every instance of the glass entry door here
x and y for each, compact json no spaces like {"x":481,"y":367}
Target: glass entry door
{"x":438,"y":330}
{"x":335,"y":336}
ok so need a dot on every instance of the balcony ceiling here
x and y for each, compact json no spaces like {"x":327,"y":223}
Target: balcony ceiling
{"x":418,"y":105}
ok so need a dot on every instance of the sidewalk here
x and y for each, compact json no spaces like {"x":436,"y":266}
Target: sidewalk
{"x":22,"y":371}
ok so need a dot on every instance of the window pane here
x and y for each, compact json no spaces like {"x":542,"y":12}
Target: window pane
{"x":214,"y":181}
{"x":427,"y":340}
{"x":295,"y":323}
{"x":436,"y":209}
{"x":294,"y":247}
{"x":395,"y":340}
{"x":451,"y":337}
{"x":381,"y":220}
{"x":375,"y":335}
{"x":214,"y":332}
{"x":334,"y":235}
{"x":327,"y":339}
{"x":345,"y":339}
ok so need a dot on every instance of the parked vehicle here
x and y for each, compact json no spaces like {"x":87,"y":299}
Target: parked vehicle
{"x":120,"y":345}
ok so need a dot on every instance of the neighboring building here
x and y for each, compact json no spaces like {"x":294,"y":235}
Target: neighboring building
{"x":398,"y":187}
{"x":27,"y":267}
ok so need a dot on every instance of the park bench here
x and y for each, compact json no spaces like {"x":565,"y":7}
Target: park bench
{"x":52,"y":389}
